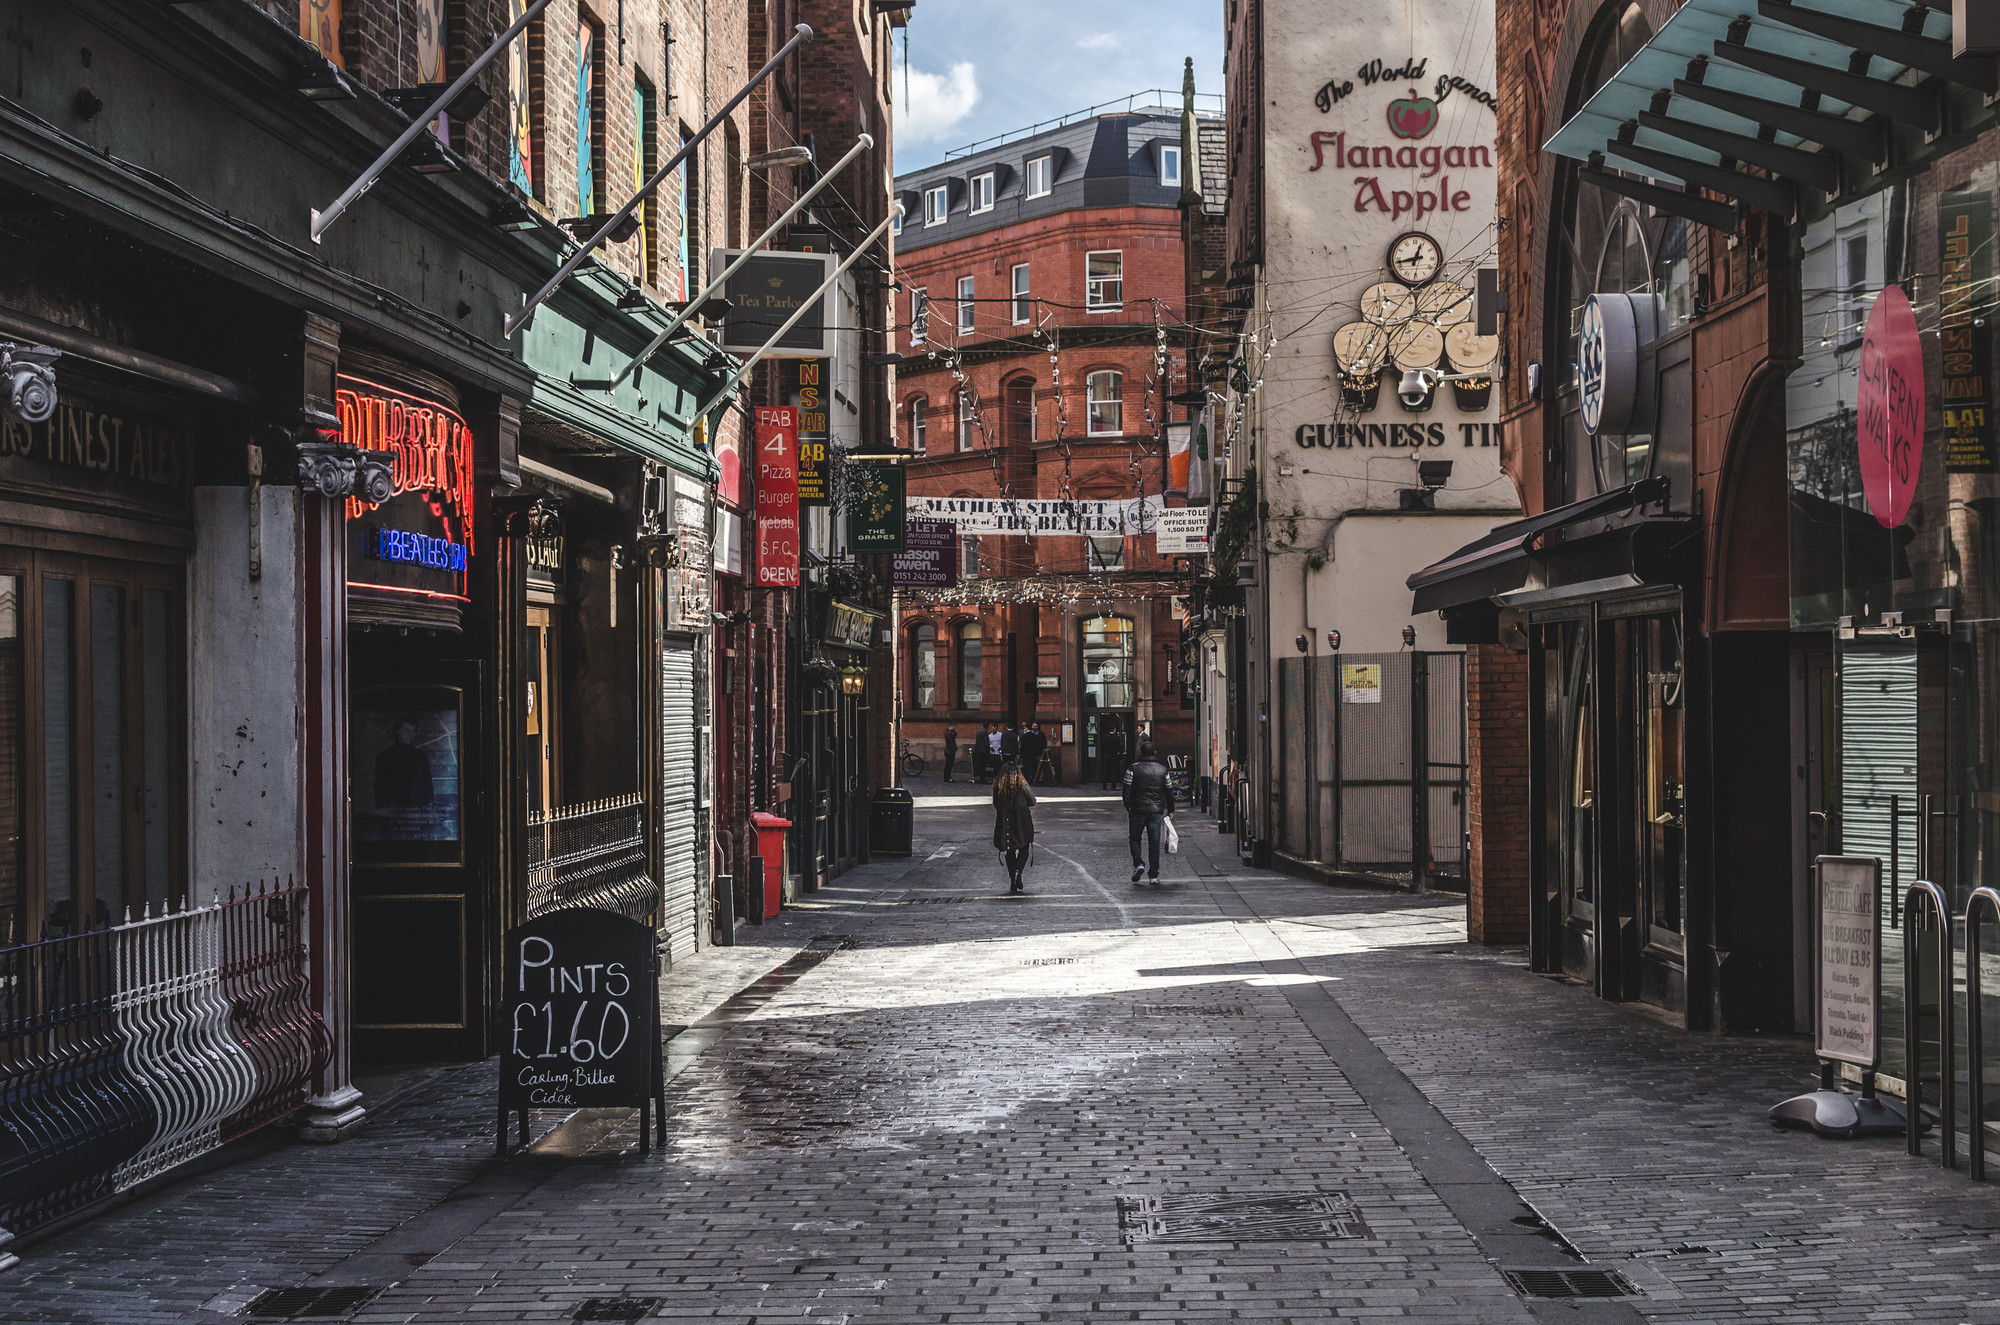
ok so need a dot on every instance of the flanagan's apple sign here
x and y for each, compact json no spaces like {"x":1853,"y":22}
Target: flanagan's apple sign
{"x":1412,"y":116}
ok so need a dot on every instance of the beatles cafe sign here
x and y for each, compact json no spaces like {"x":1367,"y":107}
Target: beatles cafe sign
{"x":1036,"y":517}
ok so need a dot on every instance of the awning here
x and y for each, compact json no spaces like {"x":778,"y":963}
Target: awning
{"x":1498,"y":563}
{"x":1787,"y":88}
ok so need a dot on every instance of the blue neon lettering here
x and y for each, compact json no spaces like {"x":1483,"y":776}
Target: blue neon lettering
{"x":417,"y":549}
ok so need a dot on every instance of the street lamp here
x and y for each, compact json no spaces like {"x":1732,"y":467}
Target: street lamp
{"x":853,"y":680}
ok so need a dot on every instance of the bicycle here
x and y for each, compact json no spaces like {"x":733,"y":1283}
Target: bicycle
{"x":912,"y":763}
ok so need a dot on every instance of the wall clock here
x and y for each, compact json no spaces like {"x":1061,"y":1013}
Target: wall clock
{"x":1414,"y":258}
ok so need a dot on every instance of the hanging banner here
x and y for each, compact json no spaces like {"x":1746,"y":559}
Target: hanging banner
{"x":1179,"y":438}
{"x":929,"y":559}
{"x":875,"y":507}
{"x":1181,"y":529}
{"x":777,"y":496}
{"x":1889,"y":407}
{"x":1036,"y":517}
{"x":805,"y":385}
{"x":1965,"y":263}
{"x":1198,"y":485}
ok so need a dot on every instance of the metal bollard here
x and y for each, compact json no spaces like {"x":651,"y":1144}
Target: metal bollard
{"x":753,"y":899}
{"x":725,"y":912}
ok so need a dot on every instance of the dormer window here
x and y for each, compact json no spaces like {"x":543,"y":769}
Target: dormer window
{"x":982,"y":193}
{"x":1170,"y":165}
{"x":1040,"y":176}
{"x":935,"y":209}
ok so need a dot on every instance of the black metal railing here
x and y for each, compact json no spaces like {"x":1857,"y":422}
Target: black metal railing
{"x":126,"y":1051}
{"x":591,"y":854}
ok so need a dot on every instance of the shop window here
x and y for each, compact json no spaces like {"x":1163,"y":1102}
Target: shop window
{"x":1104,"y":281}
{"x":1107,"y":663}
{"x":1107,"y":552}
{"x":923,"y":667}
{"x":971,"y":666}
{"x":1104,"y":403}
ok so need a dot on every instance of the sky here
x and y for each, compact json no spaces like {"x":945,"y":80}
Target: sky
{"x":979,"y":68}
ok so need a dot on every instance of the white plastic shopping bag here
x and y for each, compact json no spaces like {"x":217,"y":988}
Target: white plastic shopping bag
{"x":1173,"y":836}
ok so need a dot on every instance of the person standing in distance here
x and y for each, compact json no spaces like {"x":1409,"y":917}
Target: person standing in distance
{"x":950,"y":748}
{"x":979,"y":755}
{"x":1149,"y":800}
{"x":1010,"y":743}
{"x":1013,"y":823}
{"x":1111,"y":757}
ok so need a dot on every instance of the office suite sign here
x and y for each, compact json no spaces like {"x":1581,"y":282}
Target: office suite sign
{"x":419,"y":543}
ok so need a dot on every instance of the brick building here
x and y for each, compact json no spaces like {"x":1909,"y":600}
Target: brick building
{"x":1042,"y":327}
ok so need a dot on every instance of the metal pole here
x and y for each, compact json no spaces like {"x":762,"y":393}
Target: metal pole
{"x":805,"y":305}
{"x":1420,"y":773}
{"x":687,"y":310}
{"x":321,"y":220}
{"x":576,"y":259}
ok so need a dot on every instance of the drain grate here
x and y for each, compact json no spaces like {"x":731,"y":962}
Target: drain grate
{"x":616,"y":1308}
{"x":833,"y":942}
{"x":1050,"y":961}
{"x":1277,"y":1217}
{"x":1191,"y":1010}
{"x":308,"y":1303}
{"x":1568,"y":1283}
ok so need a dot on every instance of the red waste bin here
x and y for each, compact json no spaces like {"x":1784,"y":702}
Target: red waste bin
{"x":771,"y":849}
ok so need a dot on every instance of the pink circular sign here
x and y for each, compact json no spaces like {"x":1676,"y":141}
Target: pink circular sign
{"x":1889,"y":434}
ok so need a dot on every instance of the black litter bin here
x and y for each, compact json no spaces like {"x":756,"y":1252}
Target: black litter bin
{"x":889,"y":822}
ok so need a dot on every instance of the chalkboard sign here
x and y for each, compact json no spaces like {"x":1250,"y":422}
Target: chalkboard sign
{"x":579,"y":1022}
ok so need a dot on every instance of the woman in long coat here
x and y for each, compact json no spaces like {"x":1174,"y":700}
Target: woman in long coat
{"x":1013,"y":822}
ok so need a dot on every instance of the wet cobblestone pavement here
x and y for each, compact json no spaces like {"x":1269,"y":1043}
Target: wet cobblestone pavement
{"x":1234,"y":1097}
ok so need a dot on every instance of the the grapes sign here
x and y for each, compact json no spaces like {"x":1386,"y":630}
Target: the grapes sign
{"x":580,"y":1020}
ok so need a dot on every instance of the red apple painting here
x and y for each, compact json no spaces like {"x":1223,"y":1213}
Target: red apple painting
{"x":1412,"y":116}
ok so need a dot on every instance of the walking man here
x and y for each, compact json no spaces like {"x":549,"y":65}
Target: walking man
{"x":1111,"y":757}
{"x":1149,"y":800}
{"x":950,"y":748}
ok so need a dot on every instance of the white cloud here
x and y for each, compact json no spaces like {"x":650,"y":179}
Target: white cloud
{"x":1099,"y":41}
{"x":937,"y":103}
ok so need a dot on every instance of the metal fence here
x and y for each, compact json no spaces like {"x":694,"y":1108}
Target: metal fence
{"x":126,"y":1051}
{"x":1372,"y":771}
{"x":591,"y":854}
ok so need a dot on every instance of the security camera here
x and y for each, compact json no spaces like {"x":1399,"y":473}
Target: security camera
{"x":30,"y":375}
{"x":1418,"y":383}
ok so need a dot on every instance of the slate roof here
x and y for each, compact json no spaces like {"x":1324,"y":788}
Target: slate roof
{"x":1212,"y":146}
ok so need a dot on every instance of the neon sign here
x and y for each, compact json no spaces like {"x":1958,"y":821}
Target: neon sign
{"x":419,"y":549}
{"x":430,"y":451}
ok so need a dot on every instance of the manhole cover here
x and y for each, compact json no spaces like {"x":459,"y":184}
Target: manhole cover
{"x":1568,"y":1283}
{"x":308,"y":1303}
{"x":1279,"y":1217}
{"x":616,"y":1308}
{"x":1191,"y":1010}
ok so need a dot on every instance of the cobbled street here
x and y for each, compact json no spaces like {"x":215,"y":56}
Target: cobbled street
{"x":1236,"y":1096}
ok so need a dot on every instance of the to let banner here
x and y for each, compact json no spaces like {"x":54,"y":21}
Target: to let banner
{"x":929,"y":559}
{"x":777,"y":496}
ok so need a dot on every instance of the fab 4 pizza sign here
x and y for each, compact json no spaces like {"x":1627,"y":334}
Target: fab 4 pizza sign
{"x":1394,"y":164}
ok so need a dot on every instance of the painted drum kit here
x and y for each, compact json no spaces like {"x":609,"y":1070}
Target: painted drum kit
{"x":1429,"y":327}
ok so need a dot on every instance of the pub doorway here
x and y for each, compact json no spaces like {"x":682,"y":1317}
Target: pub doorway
{"x":1110,"y":713}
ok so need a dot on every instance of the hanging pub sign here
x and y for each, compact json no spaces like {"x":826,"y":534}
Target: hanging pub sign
{"x":777,"y":500}
{"x":875,"y":507}
{"x":765,"y":292}
{"x":1965,"y":263}
{"x":1889,"y":407}
{"x":848,"y":626}
{"x":929,"y":559}
{"x":418,"y":544}
{"x":98,"y":448}
{"x":805,"y":383}
{"x":580,"y":1018}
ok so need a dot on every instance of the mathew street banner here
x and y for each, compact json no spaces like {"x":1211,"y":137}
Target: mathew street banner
{"x":1039,"y":518}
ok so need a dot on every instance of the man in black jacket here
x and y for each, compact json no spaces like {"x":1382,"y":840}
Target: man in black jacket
{"x":1010,"y":742}
{"x":1033,"y":746}
{"x":1149,"y":799}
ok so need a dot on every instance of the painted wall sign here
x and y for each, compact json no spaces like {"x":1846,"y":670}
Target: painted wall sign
{"x":1889,"y":407}
{"x":98,"y":447}
{"x":777,"y":498}
{"x":430,"y":448}
{"x":1181,"y":529}
{"x":1965,"y":262}
{"x":929,"y":559}
{"x":1848,"y":973}
{"x":806,"y":382}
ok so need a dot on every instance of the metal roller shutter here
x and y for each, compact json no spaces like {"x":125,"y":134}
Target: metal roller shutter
{"x":679,"y":748}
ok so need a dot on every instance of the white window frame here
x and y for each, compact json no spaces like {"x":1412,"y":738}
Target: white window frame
{"x":1023,"y":306}
{"x":1047,"y":172}
{"x":1095,"y":287}
{"x":968,"y":309}
{"x":1113,"y":402}
{"x":979,"y":193}
{"x":1094,"y":546}
{"x":918,"y":424}
{"x":968,"y":556}
{"x":920,"y":315}
{"x":941,"y":196}
{"x":1170,"y":165}
{"x":966,"y":425}
{"x":895,"y":222}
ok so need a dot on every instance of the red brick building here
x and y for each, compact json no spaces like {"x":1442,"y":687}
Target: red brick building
{"x":1041,"y":323}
